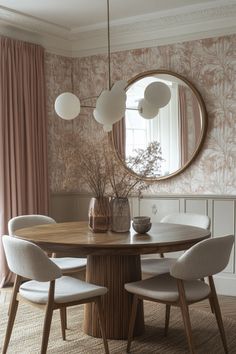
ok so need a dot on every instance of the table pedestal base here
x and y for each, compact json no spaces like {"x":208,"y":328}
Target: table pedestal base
{"x":113,"y":272}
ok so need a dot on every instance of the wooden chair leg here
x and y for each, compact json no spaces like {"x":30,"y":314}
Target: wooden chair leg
{"x":167,"y":320}
{"x":210,"y":299}
{"x":211,"y":304}
{"x":102,"y":324}
{"x":65,"y":317}
{"x":63,"y":322}
{"x":11,"y":300}
{"x":65,"y":314}
{"x":12,"y":313}
{"x":48,"y":318}
{"x":217,"y":311}
{"x":185,"y":315}
{"x":132,"y":322}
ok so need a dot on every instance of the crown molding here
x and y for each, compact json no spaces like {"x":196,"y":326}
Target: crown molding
{"x":188,"y":23}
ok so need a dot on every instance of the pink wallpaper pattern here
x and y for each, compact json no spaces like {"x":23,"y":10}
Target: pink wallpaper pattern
{"x":210,"y":64}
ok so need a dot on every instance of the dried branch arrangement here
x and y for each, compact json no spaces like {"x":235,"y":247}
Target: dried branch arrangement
{"x":100,"y":169}
{"x":93,"y":170}
{"x":145,"y":162}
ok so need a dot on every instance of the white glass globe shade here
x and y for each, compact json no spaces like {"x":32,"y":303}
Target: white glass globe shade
{"x":146,"y":110}
{"x":110,"y":107}
{"x":157,"y":94}
{"x":101,"y":117}
{"x":107,"y":128}
{"x":102,"y":100}
{"x":67,"y":106}
{"x":98,"y":116}
{"x":119,"y":98}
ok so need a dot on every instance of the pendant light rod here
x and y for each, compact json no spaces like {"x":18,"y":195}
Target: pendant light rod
{"x":127,"y":108}
{"x":108,"y":45}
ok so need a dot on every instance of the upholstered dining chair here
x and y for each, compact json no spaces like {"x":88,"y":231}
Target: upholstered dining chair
{"x":47,"y":287}
{"x":68,"y":265}
{"x":182,"y":287}
{"x":150,"y":264}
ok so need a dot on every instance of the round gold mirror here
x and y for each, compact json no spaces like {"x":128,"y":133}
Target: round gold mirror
{"x":174,"y":133}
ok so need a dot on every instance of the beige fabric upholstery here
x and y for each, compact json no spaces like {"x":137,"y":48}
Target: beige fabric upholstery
{"x":190,"y":219}
{"x":28,"y":260}
{"x":181,"y":287}
{"x":22,"y":221}
{"x":67,"y":289}
{"x":47,"y":288}
{"x":164,"y":288}
{"x":152,"y":266}
{"x":67,"y":264}
{"x":205,"y":258}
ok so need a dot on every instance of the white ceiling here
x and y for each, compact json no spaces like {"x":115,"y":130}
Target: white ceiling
{"x":72,"y":14}
{"x":78,"y":27}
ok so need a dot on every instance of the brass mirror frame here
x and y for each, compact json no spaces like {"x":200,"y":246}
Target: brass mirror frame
{"x":203,"y":130}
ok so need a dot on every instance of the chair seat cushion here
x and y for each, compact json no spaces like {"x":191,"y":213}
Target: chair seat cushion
{"x":67,"y":289}
{"x":164,"y":288}
{"x":155,"y":266}
{"x":67,"y":264}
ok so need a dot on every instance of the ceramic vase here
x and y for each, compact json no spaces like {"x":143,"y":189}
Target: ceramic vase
{"x":120,"y":214}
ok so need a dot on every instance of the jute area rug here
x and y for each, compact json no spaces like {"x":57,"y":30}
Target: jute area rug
{"x":26,"y":336}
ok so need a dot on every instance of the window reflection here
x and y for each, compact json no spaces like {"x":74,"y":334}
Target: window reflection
{"x":178,"y":127}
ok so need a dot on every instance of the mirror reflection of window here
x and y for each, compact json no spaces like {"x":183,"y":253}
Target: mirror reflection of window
{"x":178,"y":128}
{"x":190,"y":122}
{"x":140,"y":132}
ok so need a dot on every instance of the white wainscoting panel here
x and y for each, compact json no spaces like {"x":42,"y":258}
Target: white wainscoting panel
{"x":220,"y":209}
{"x":223,"y":223}
{"x":197,"y":206}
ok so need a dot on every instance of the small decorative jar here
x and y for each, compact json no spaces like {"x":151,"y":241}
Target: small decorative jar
{"x":99,"y":214}
{"x":120,"y":214}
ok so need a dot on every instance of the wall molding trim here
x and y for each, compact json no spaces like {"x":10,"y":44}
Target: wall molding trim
{"x":189,"y":23}
{"x":154,"y":196}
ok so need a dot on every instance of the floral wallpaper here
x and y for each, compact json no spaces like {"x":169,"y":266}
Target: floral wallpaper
{"x":210,"y":64}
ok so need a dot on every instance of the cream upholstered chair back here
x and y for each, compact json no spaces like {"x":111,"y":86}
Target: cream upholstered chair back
{"x":28,"y":260}
{"x":197,"y":220}
{"x":206,"y":258}
{"x":22,"y":221}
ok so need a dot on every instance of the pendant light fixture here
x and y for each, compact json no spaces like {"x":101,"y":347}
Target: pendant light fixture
{"x":67,"y":106}
{"x":111,"y":103}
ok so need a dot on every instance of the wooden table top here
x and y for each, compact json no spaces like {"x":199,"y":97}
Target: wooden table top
{"x":76,"y":238}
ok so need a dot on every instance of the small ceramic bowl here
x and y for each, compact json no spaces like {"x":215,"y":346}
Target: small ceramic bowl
{"x":142,"y":228}
{"x":141,"y":220}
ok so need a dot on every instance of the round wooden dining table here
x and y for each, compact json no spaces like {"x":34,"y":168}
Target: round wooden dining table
{"x":113,"y":259}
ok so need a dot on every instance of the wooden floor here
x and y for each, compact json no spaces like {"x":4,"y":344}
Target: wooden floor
{"x":227,"y":303}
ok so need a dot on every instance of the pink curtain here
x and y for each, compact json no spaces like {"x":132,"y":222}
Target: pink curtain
{"x":197,"y":120}
{"x":23,"y":136}
{"x":183,"y":125}
{"x":119,"y":137}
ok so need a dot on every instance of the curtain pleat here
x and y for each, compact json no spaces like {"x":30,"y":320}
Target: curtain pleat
{"x":23,"y":136}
